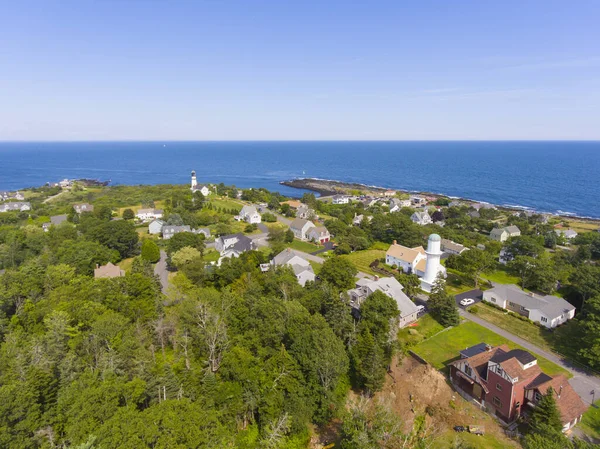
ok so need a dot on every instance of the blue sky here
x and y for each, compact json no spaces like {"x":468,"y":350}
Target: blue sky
{"x":299,"y":70}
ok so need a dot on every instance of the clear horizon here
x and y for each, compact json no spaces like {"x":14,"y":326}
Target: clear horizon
{"x":85,"y":71}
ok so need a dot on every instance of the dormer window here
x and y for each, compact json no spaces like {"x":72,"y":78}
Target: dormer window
{"x":468,"y":370}
{"x":499,"y":371}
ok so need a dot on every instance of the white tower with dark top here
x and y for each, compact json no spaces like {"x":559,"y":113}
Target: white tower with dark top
{"x":194,"y":182}
{"x":433,"y":265}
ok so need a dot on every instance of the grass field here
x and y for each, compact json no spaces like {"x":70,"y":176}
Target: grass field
{"x":443,"y":348}
{"x":425,"y":328}
{"x":316,"y":266}
{"x":456,"y":283}
{"x":225,"y":203}
{"x":125,"y":264}
{"x":304,"y":246}
{"x":450,"y":439}
{"x":501,"y":277}
{"x":527,"y":331}
{"x":362,"y":259}
{"x":583,"y":226}
{"x":211,"y":255}
{"x":590,"y":423}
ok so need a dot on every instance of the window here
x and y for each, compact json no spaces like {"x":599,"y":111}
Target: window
{"x":497,"y":402}
{"x":544,"y":319}
{"x":498,"y":387}
{"x":468,"y":370}
{"x":499,"y":371}
{"x":523,"y":309}
{"x":512,"y":304}
{"x":537,"y":396}
{"x":493,"y":299}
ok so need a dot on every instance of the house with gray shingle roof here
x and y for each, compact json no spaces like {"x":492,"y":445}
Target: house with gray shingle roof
{"x":503,"y":234}
{"x":550,"y":311}
{"x":300,"y":266}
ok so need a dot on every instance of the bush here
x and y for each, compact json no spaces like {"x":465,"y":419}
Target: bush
{"x":128,"y":214}
{"x":473,"y":309}
{"x":150,"y":251}
{"x":268,"y":217}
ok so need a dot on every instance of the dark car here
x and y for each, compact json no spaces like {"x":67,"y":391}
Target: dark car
{"x":460,"y":429}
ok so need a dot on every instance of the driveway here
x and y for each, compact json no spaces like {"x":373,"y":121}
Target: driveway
{"x":160,"y":270}
{"x":582,"y":381}
{"x":327,"y":246}
{"x":263,"y":228}
{"x":475,"y":294}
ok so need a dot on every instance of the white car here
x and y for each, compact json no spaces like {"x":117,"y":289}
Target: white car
{"x":420,"y":309}
{"x":467,"y":302}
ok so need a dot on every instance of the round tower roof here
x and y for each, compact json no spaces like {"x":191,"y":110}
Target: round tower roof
{"x":435,"y":238}
{"x":193,"y":172}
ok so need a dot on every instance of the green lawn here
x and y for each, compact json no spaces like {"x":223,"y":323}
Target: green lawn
{"x":501,"y":277}
{"x":381,"y":246}
{"x":211,"y":255}
{"x":316,"y":266}
{"x":225,"y":203}
{"x":487,"y":441}
{"x":590,"y":423}
{"x":304,"y":246}
{"x":456,"y":283}
{"x":527,"y":331}
{"x":362,"y":259}
{"x":443,"y":347}
{"x":426,"y":327}
{"x":126,"y":264}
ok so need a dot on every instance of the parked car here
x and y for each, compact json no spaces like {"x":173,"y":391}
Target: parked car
{"x":420,"y":310}
{"x":467,"y":302}
{"x":460,"y":428}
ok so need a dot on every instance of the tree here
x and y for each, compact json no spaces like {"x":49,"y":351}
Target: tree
{"x":183,"y":239}
{"x":442,"y":305}
{"x":268,"y":217}
{"x":184,"y":256}
{"x":473,"y":263}
{"x":368,"y":362}
{"x":84,"y":255}
{"x":103,"y":213}
{"x":437,"y":216}
{"x":586,"y":281}
{"x":150,"y":251}
{"x":128,"y":214}
{"x":410,"y":282}
{"x":378,"y":314}
{"x":118,"y":235}
{"x":339,"y":272}
{"x":545,"y":425}
{"x":523,"y":245}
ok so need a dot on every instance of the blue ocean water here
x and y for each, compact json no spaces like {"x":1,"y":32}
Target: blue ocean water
{"x":561,"y":177}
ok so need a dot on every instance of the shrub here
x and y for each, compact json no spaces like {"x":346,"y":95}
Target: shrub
{"x":473,"y":309}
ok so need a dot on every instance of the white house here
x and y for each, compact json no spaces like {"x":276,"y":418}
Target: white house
{"x":409,"y":260}
{"x":300,"y":228}
{"x":418,"y":200}
{"x":305,"y":212}
{"x":340,"y":199}
{"x":83,"y":207}
{"x":233,"y":245}
{"x":389,"y":193}
{"x":149,"y":214}
{"x":318,"y":234}
{"x":421,"y":218}
{"x":169,"y":231}
{"x":396,"y":204}
{"x":503,"y":234}
{"x":249,"y":214}
{"x":155,"y":227}
{"x":17,"y":206}
{"x":55,"y":220}
{"x":550,"y":311}
{"x":390,"y":287}
{"x":197,"y":188}
{"x":566,"y":233}
{"x":302,"y":268}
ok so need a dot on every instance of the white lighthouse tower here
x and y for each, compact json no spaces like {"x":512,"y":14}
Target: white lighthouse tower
{"x":194,"y":182}
{"x":433,"y":265}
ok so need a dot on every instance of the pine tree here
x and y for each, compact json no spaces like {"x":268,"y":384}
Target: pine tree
{"x":443,"y":305}
{"x":546,"y":416}
{"x":369,"y":363}
{"x":150,"y":251}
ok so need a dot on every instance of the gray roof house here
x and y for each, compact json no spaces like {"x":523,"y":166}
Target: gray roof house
{"x":392,"y":288}
{"x":55,"y":220}
{"x":155,"y":226}
{"x":550,"y":311}
{"x":566,"y":233}
{"x":83,"y":207}
{"x":503,"y":234}
{"x":421,"y":218}
{"x":300,"y":228}
{"x":17,"y":206}
{"x":233,"y":245}
{"x":300,"y":266}
{"x":450,"y":247}
{"x":169,"y":231}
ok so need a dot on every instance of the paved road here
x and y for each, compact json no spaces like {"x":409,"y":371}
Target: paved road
{"x":282,"y":219}
{"x":160,"y":269}
{"x":582,"y":382}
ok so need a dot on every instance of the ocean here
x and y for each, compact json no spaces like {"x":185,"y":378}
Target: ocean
{"x":556,"y":177}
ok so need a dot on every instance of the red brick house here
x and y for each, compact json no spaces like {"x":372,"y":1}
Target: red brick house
{"x":508,"y":383}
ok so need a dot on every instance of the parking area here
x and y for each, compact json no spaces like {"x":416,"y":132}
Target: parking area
{"x":476,"y":295}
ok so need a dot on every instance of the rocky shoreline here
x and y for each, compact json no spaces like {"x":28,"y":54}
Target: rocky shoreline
{"x":328,"y":187}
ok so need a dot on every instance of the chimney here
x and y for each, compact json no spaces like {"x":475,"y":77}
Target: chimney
{"x":376,"y":277}
{"x":559,"y":392}
{"x":97,"y":266}
{"x":395,"y":242}
{"x":289,"y":250}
